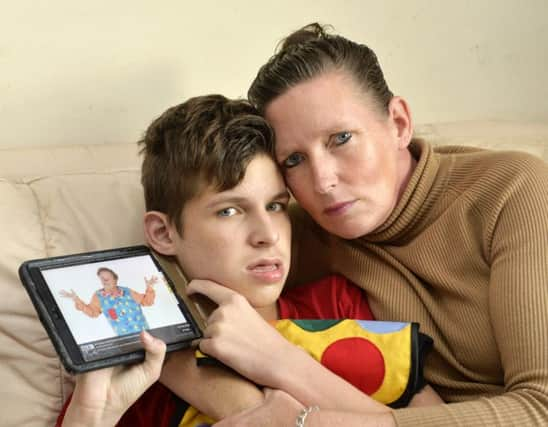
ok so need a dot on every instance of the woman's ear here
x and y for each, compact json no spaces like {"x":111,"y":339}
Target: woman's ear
{"x":159,"y":232}
{"x":400,"y":116}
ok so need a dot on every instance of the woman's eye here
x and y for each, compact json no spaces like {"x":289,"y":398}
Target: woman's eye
{"x":342,"y":138}
{"x":227,"y":212}
{"x":292,"y":160}
{"x":276,"y":207}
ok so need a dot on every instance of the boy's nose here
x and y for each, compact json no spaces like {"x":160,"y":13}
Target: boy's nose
{"x":265,"y":232}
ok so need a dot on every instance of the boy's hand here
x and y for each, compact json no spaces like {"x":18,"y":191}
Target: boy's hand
{"x":239,"y":337}
{"x":101,"y":397}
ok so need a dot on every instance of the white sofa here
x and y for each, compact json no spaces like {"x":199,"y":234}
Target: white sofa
{"x":68,"y":199}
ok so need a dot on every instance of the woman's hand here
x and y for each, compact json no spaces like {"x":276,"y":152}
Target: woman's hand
{"x":151,"y":282}
{"x":101,"y":397}
{"x":72,"y":295}
{"x":239,"y":337}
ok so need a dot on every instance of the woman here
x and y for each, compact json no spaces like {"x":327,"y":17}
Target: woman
{"x":120,"y":305}
{"x":454,"y":238}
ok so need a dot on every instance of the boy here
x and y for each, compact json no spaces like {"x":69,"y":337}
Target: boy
{"x":217,"y":203}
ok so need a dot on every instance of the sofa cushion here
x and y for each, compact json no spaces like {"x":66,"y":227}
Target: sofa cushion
{"x":497,"y":135}
{"x":54,"y":201}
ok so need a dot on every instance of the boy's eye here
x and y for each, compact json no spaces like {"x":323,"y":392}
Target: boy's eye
{"x":227,"y":212}
{"x":293,"y":160}
{"x":276,"y":207}
{"x":342,"y":138}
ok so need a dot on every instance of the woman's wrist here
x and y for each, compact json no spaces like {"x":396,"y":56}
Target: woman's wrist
{"x":295,"y":361}
{"x":301,"y":418}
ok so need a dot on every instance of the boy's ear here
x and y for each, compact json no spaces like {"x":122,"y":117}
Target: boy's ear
{"x":159,"y":232}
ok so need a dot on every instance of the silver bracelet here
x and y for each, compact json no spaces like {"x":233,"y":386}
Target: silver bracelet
{"x":301,"y":418}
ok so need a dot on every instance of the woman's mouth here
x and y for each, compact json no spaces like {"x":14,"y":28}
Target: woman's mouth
{"x":338,"y":208}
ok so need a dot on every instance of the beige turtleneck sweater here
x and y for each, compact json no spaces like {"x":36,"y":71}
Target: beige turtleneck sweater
{"x":465,"y":254}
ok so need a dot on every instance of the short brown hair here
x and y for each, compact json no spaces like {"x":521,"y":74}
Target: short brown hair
{"x":310,"y":52}
{"x":205,"y":141}
{"x":101,"y":269}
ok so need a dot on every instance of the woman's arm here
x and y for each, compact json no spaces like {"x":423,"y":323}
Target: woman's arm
{"x":240,"y":338}
{"x":280,"y":409}
{"x":93,"y":309}
{"x":149,"y":296}
{"x":220,"y":392}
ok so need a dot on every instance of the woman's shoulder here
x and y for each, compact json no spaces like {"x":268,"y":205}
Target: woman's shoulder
{"x":499,"y":160}
{"x":498,"y":170}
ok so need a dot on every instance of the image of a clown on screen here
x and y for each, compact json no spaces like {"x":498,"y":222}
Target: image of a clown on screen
{"x":121,"y":306}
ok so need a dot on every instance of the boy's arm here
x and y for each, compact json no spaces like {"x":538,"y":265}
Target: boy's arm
{"x":101,"y":397}
{"x":215,"y":391}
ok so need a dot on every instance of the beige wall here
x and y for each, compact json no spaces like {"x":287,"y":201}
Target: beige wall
{"x":99,"y":71}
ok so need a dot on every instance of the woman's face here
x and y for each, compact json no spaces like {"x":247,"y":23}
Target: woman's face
{"x":107,"y":280}
{"x":344,"y":161}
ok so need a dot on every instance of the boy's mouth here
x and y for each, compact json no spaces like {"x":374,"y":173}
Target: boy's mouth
{"x":262,"y":267}
{"x":270,"y":271}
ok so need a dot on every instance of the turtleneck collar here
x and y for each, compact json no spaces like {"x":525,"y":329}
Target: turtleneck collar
{"x":412,"y":202}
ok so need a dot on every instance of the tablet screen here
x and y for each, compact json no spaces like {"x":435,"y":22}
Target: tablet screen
{"x":95,"y":305}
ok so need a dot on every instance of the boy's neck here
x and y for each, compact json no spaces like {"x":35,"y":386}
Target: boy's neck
{"x":269,"y":312}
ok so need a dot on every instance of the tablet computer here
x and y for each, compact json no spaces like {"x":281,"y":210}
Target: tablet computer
{"x":94,"y":305}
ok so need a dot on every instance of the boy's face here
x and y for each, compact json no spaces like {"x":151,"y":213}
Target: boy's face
{"x":240,"y":238}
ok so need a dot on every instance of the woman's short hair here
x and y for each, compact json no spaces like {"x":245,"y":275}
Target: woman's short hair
{"x":311,"y":52}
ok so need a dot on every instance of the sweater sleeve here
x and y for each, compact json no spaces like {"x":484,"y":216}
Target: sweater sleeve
{"x":517,"y":247}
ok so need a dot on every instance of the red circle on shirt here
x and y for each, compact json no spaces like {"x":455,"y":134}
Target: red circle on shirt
{"x":358,"y":361}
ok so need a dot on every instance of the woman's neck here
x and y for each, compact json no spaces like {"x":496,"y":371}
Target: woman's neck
{"x":407,"y":165}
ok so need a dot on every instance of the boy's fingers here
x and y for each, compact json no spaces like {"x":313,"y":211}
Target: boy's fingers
{"x":155,"y":353}
{"x":215,"y":292}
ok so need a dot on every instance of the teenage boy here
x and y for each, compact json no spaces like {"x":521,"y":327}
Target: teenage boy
{"x":217,"y":203}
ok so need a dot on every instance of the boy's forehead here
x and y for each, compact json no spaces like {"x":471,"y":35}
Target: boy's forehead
{"x":262,"y":181}
{"x":240,"y":194}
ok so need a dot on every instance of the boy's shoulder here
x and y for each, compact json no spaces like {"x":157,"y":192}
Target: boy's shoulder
{"x":331,"y":297}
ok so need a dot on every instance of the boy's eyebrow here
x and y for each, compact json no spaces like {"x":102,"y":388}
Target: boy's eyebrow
{"x":284,"y":194}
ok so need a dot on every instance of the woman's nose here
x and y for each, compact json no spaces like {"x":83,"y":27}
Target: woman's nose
{"x":324,"y":177}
